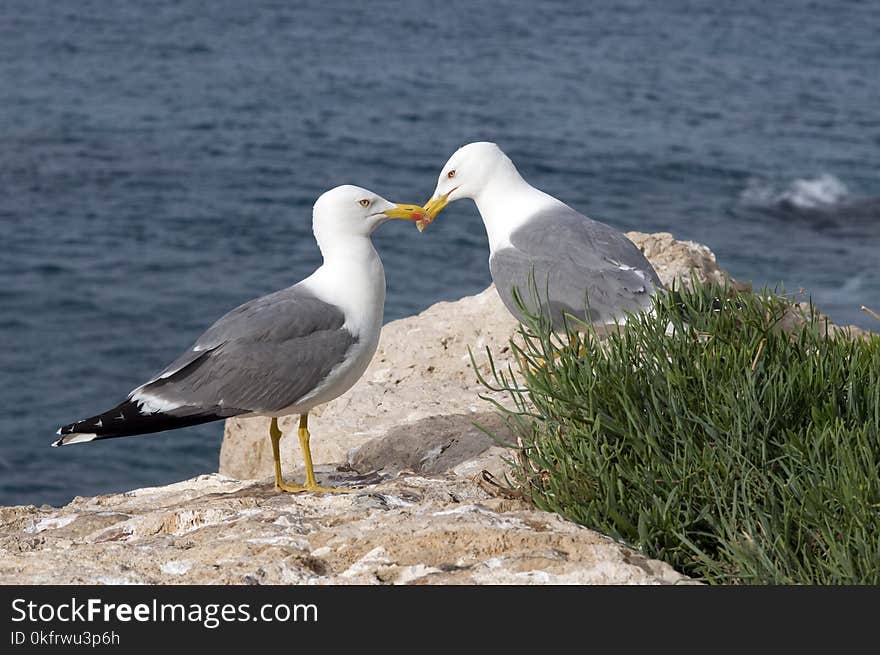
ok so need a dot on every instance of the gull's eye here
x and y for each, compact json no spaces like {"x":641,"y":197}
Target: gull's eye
{"x":451,"y":174}
{"x":364,"y":203}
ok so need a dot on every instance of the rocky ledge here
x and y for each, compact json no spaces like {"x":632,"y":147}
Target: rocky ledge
{"x":216,"y":530}
{"x":425,"y":505}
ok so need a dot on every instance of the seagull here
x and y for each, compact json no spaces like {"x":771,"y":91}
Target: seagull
{"x":539,"y":246}
{"x":280,"y":354}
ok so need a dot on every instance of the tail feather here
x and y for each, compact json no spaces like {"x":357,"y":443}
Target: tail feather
{"x":129,"y":419}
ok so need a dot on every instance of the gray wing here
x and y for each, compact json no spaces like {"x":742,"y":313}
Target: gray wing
{"x":575,"y":262}
{"x":261,"y":357}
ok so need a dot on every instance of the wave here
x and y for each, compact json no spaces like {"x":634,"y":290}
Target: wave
{"x":811,"y":193}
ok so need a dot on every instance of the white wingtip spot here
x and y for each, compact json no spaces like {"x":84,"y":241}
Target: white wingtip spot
{"x":76,"y":437}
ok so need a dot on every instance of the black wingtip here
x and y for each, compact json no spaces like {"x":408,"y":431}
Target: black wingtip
{"x":127,"y":419}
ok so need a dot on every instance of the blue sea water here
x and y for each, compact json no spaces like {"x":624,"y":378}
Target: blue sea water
{"x":159,"y":160}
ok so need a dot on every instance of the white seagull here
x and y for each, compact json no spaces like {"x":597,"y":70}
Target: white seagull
{"x":540,"y":246}
{"x":279,"y":354}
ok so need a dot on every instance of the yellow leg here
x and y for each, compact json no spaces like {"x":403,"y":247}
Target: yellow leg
{"x":303,"y":433}
{"x":280,"y":484}
{"x":311,"y":483}
{"x":581,"y":351}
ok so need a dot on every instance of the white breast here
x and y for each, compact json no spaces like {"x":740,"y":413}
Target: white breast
{"x":356,"y":284}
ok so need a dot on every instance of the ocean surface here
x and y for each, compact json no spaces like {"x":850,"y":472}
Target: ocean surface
{"x":159,"y":161}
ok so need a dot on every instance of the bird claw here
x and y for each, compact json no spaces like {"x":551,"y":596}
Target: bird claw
{"x":314,"y":488}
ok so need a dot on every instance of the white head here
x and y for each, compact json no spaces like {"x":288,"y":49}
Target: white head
{"x":466,"y":174}
{"x":349,"y":210}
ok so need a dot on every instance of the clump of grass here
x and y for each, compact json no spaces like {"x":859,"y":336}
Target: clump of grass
{"x":708,"y":436}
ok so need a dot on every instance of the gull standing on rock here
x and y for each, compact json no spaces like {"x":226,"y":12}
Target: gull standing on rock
{"x":538,"y":244}
{"x":279,"y":354}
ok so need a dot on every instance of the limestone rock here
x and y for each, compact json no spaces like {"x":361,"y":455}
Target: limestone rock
{"x":676,"y":261}
{"x":800,"y":313}
{"x":215,"y":530}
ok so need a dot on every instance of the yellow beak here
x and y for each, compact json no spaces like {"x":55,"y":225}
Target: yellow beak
{"x":433,"y":207}
{"x":406,"y":212}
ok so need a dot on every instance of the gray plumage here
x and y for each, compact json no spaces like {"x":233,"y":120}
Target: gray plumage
{"x":261,"y":357}
{"x":575,"y":261}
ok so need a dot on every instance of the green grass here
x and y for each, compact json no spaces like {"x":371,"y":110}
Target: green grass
{"x":733,"y":449}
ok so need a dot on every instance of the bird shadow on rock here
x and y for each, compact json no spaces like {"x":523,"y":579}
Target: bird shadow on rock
{"x":328,"y":475}
{"x":432,"y":445}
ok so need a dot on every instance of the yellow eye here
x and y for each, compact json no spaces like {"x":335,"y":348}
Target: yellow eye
{"x":364,"y":203}
{"x":451,"y":174}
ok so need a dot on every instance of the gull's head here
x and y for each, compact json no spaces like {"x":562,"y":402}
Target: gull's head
{"x":355,"y":211}
{"x":464,"y":175}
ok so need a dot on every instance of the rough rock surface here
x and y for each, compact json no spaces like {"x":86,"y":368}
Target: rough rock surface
{"x":215,"y":530}
{"x":678,"y":261}
{"x":420,"y":388}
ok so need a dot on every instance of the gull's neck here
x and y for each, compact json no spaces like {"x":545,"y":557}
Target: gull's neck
{"x":352,"y":277}
{"x":506,"y":202}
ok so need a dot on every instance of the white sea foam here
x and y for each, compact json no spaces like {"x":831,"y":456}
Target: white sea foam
{"x":811,"y":193}
{"x":817,"y":192}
